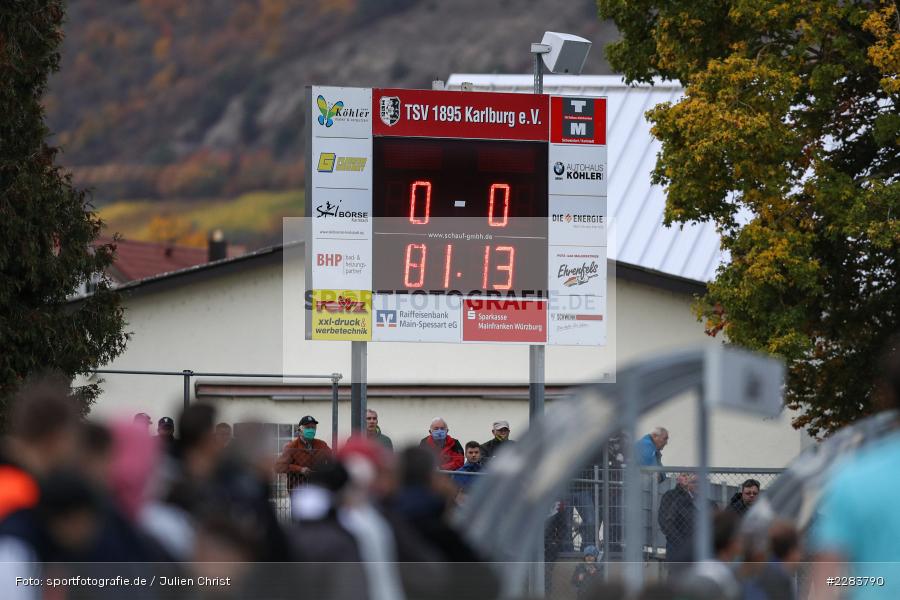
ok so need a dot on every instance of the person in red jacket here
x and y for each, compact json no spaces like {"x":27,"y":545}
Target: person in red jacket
{"x":303,"y":455}
{"x":449,"y":450}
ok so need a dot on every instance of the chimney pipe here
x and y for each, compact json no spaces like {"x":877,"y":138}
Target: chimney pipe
{"x":218,"y":247}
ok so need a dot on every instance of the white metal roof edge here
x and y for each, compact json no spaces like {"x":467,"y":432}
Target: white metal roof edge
{"x":551,"y":81}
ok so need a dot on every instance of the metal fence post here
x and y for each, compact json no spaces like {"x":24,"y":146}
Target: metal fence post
{"x":607,"y":527}
{"x":634,"y":576}
{"x":335,"y":377}
{"x":187,"y":387}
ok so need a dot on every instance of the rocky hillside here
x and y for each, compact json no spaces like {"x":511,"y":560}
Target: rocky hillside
{"x":173,"y":99}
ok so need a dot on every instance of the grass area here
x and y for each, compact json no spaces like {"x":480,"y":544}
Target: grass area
{"x":254,"y":216}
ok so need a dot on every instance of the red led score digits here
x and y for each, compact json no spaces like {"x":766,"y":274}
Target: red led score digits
{"x":417,"y":254}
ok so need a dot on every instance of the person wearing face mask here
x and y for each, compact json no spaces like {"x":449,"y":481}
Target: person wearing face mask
{"x":303,"y":455}
{"x":449,"y":450}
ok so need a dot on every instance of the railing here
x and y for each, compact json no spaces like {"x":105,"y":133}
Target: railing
{"x":591,"y":513}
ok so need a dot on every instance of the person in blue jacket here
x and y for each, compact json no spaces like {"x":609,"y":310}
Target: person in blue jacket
{"x":473,"y":465}
{"x":649,"y":449}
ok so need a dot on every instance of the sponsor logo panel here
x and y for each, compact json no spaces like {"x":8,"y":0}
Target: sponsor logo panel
{"x":341,"y":112}
{"x":475,"y":115}
{"x":341,"y":214}
{"x":416,"y":318}
{"x":499,"y":320}
{"x":341,"y":315}
{"x":576,"y":320}
{"x":577,"y":221}
{"x":341,"y":163}
{"x":577,"y":120}
{"x":337,"y":263}
{"x":577,"y":270}
{"x":577,"y":170}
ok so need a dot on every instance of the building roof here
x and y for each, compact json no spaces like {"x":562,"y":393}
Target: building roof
{"x":638,"y":236}
{"x":137,"y":260}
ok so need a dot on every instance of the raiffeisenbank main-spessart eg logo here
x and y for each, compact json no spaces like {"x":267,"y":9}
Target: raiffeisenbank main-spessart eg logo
{"x":338,"y":112}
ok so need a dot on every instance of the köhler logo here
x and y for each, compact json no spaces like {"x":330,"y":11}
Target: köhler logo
{"x":337,"y":113}
{"x":584,"y":171}
{"x":334,"y":210}
{"x":578,"y":275}
{"x":389,"y":110}
{"x":328,"y":112}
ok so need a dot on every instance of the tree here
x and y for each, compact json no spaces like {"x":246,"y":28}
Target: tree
{"x":46,"y":225}
{"x":788,"y":139}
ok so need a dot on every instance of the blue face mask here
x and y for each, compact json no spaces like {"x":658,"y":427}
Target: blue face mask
{"x":439,"y":435}
{"x":309,"y":434}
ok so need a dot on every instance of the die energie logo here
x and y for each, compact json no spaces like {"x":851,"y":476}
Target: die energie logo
{"x":328,"y":112}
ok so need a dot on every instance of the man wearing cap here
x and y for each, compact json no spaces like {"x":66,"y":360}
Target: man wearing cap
{"x":303,"y":455}
{"x":489,"y":449}
{"x":165,"y":433}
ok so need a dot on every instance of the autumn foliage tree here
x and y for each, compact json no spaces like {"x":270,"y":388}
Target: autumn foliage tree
{"x":788,"y":139}
{"x":48,"y":233}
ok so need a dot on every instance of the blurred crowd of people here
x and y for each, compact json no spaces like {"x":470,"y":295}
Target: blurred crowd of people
{"x":194,"y":501}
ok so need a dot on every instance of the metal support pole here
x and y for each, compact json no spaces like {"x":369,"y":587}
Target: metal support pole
{"x":632,"y":484}
{"x":535,"y":382}
{"x":358,"y":357}
{"x":535,"y":411}
{"x":334,"y":410}
{"x":703,"y":530}
{"x":607,"y":527}
{"x":187,"y":387}
{"x":596,"y":531}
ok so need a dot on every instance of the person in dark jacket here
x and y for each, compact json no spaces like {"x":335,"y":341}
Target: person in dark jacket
{"x":586,"y":572}
{"x":373,"y":431}
{"x":743,"y":500}
{"x":473,"y":465}
{"x":677,"y":515}
{"x":449,"y":451}
{"x":303,"y":455}
{"x":489,"y":449}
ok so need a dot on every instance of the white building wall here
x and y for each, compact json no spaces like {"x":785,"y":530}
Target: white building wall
{"x":252,"y":321}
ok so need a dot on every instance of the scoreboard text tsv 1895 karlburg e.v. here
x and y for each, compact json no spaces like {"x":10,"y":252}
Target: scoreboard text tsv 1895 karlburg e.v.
{"x":442,"y":216}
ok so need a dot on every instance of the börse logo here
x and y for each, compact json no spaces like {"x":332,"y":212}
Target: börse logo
{"x":576,"y":171}
{"x":341,"y":305}
{"x":329,"y":162}
{"x":389,"y":110}
{"x":329,"y":260}
{"x":385,"y":318}
{"x":578,"y":275}
{"x":323,"y":211}
{"x":337,"y":112}
{"x":570,"y":218}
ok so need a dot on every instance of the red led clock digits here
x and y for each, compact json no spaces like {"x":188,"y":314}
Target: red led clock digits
{"x":412,"y":202}
{"x":509,"y":267}
{"x":416,"y":254}
{"x":448,"y":255}
{"x":505,"y":188}
{"x":420,"y":265}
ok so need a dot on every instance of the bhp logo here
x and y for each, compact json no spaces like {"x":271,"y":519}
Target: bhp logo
{"x":328,"y":260}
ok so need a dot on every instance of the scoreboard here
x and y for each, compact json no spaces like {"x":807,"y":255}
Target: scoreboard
{"x":455,"y":217}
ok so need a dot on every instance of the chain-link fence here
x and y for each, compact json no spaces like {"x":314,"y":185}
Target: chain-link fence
{"x":591,"y":513}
